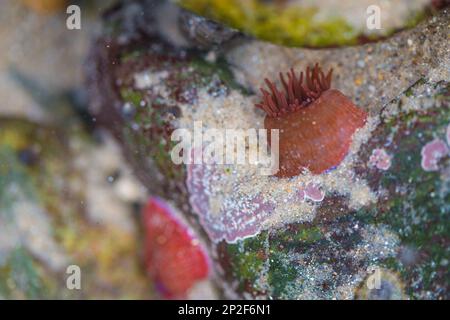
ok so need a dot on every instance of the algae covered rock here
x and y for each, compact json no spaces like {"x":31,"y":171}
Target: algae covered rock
{"x":57,"y":212}
{"x":317,"y":23}
{"x":374,"y":227}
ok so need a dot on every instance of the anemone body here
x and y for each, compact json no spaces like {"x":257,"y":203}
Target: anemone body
{"x":315,"y":123}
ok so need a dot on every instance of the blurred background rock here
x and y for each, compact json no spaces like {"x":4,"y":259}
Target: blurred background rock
{"x":66,"y":195}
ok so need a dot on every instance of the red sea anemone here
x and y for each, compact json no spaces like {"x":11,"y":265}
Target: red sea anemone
{"x":175,"y":259}
{"x":316,"y":123}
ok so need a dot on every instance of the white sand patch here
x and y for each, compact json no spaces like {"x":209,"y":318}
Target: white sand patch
{"x":147,"y":79}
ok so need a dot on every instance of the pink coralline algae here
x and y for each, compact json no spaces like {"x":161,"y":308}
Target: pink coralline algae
{"x":224,"y":213}
{"x":380,"y":159}
{"x":432,"y":152}
{"x":174,"y":257}
{"x":312,"y":191}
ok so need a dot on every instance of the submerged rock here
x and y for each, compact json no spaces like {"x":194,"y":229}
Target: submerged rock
{"x":341,"y":234}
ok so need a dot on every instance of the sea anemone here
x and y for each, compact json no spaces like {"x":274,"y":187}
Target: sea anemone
{"x":175,"y":258}
{"x":316,"y":123}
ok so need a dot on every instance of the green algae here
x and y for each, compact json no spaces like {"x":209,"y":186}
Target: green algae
{"x":420,"y":216}
{"x":207,"y":70}
{"x":247,"y":258}
{"x":132,"y":96}
{"x":417,"y":208}
{"x":21,"y":278}
{"x":304,"y":235}
{"x":285,"y":26}
{"x":282,"y":273}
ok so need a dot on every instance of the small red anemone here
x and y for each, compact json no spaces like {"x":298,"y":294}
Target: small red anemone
{"x":175,"y":259}
{"x":316,"y":123}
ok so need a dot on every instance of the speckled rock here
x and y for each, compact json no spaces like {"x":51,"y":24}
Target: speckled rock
{"x":375,"y":227}
{"x":372,"y":74}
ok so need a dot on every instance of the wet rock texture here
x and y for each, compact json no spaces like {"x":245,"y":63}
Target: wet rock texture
{"x":393,"y":243}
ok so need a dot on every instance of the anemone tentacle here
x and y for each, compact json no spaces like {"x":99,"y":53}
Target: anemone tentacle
{"x":298,"y":91}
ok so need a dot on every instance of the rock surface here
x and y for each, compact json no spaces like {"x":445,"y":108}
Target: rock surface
{"x":377,"y":226}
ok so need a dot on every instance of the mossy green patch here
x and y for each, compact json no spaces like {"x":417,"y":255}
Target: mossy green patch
{"x":132,"y":96}
{"x":20,"y":277}
{"x":286,"y":26}
{"x":220,"y":68}
{"x":282,"y":273}
{"x":247,"y":260}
